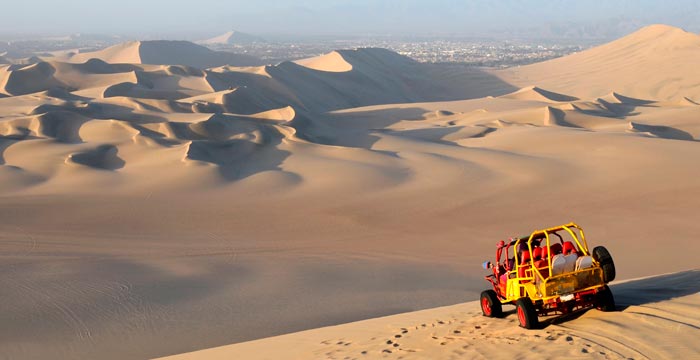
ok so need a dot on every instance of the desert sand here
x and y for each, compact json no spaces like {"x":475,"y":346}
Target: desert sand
{"x":657,"y":319}
{"x":156,"y":209}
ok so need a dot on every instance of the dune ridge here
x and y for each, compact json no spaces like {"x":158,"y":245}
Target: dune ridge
{"x":331,"y":62}
{"x":230,"y":38}
{"x":535,"y":93}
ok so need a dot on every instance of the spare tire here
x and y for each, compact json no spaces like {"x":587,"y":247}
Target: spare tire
{"x":602,"y":256}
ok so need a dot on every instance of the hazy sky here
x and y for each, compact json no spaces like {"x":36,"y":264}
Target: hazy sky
{"x":188,"y":18}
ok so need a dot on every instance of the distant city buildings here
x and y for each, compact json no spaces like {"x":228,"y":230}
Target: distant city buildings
{"x":468,"y":52}
{"x":482,"y":53}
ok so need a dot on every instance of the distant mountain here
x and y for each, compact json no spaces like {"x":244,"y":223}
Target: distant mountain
{"x":232,"y":38}
{"x":162,"y":52}
{"x":576,"y":19}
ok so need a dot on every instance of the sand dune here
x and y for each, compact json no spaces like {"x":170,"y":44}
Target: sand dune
{"x":460,"y":331}
{"x":332,"y":62}
{"x":231,"y":38}
{"x":537,"y":94}
{"x":654,"y":62}
{"x":377,"y":76}
{"x":155,"y":209}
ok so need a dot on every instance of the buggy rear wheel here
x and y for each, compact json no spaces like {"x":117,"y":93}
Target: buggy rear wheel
{"x":527,"y":314}
{"x":490,"y":305}
{"x":602,"y":256}
{"x":605,"y":300}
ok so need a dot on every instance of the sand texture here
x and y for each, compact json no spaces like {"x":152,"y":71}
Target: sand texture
{"x":657,"y":318}
{"x":158,"y":198}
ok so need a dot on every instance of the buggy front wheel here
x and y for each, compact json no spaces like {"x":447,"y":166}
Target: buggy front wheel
{"x":490,"y":305}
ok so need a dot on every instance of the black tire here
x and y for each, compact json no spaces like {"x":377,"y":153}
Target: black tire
{"x":490,"y":305}
{"x":527,"y":314}
{"x":605,"y":301}
{"x":602,"y":256}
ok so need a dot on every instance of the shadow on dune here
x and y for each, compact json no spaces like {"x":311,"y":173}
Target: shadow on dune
{"x":645,"y":291}
{"x":622,"y":106}
{"x":352,"y":129}
{"x":657,"y":288}
{"x":154,"y":307}
{"x":238,"y":159}
{"x":7,"y":140}
{"x":385,"y":82}
{"x":434,"y":135}
{"x":103,"y":157}
{"x":666,"y":132}
{"x":88,"y":293}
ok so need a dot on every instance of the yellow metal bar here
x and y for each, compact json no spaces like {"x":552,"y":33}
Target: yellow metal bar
{"x":585,"y":243}
{"x":573,"y":235}
{"x":549,"y":256}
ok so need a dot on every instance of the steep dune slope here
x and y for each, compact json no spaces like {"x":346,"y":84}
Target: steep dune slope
{"x":360,"y":77}
{"x":656,"y":62}
{"x":230,"y":38}
{"x":332,"y":62}
{"x":659,"y":308}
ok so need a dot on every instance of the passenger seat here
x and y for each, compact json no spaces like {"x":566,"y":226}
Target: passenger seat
{"x":584,"y":262}
{"x":524,"y":263}
{"x":570,"y":255}
{"x":540,"y":257}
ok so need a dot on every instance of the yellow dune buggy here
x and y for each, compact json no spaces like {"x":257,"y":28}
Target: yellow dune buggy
{"x":549,"y":272}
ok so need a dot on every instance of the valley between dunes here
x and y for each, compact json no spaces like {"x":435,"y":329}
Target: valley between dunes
{"x":154,"y":202}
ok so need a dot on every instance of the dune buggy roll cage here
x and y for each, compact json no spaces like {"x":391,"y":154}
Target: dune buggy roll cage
{"x":581,"y":244}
